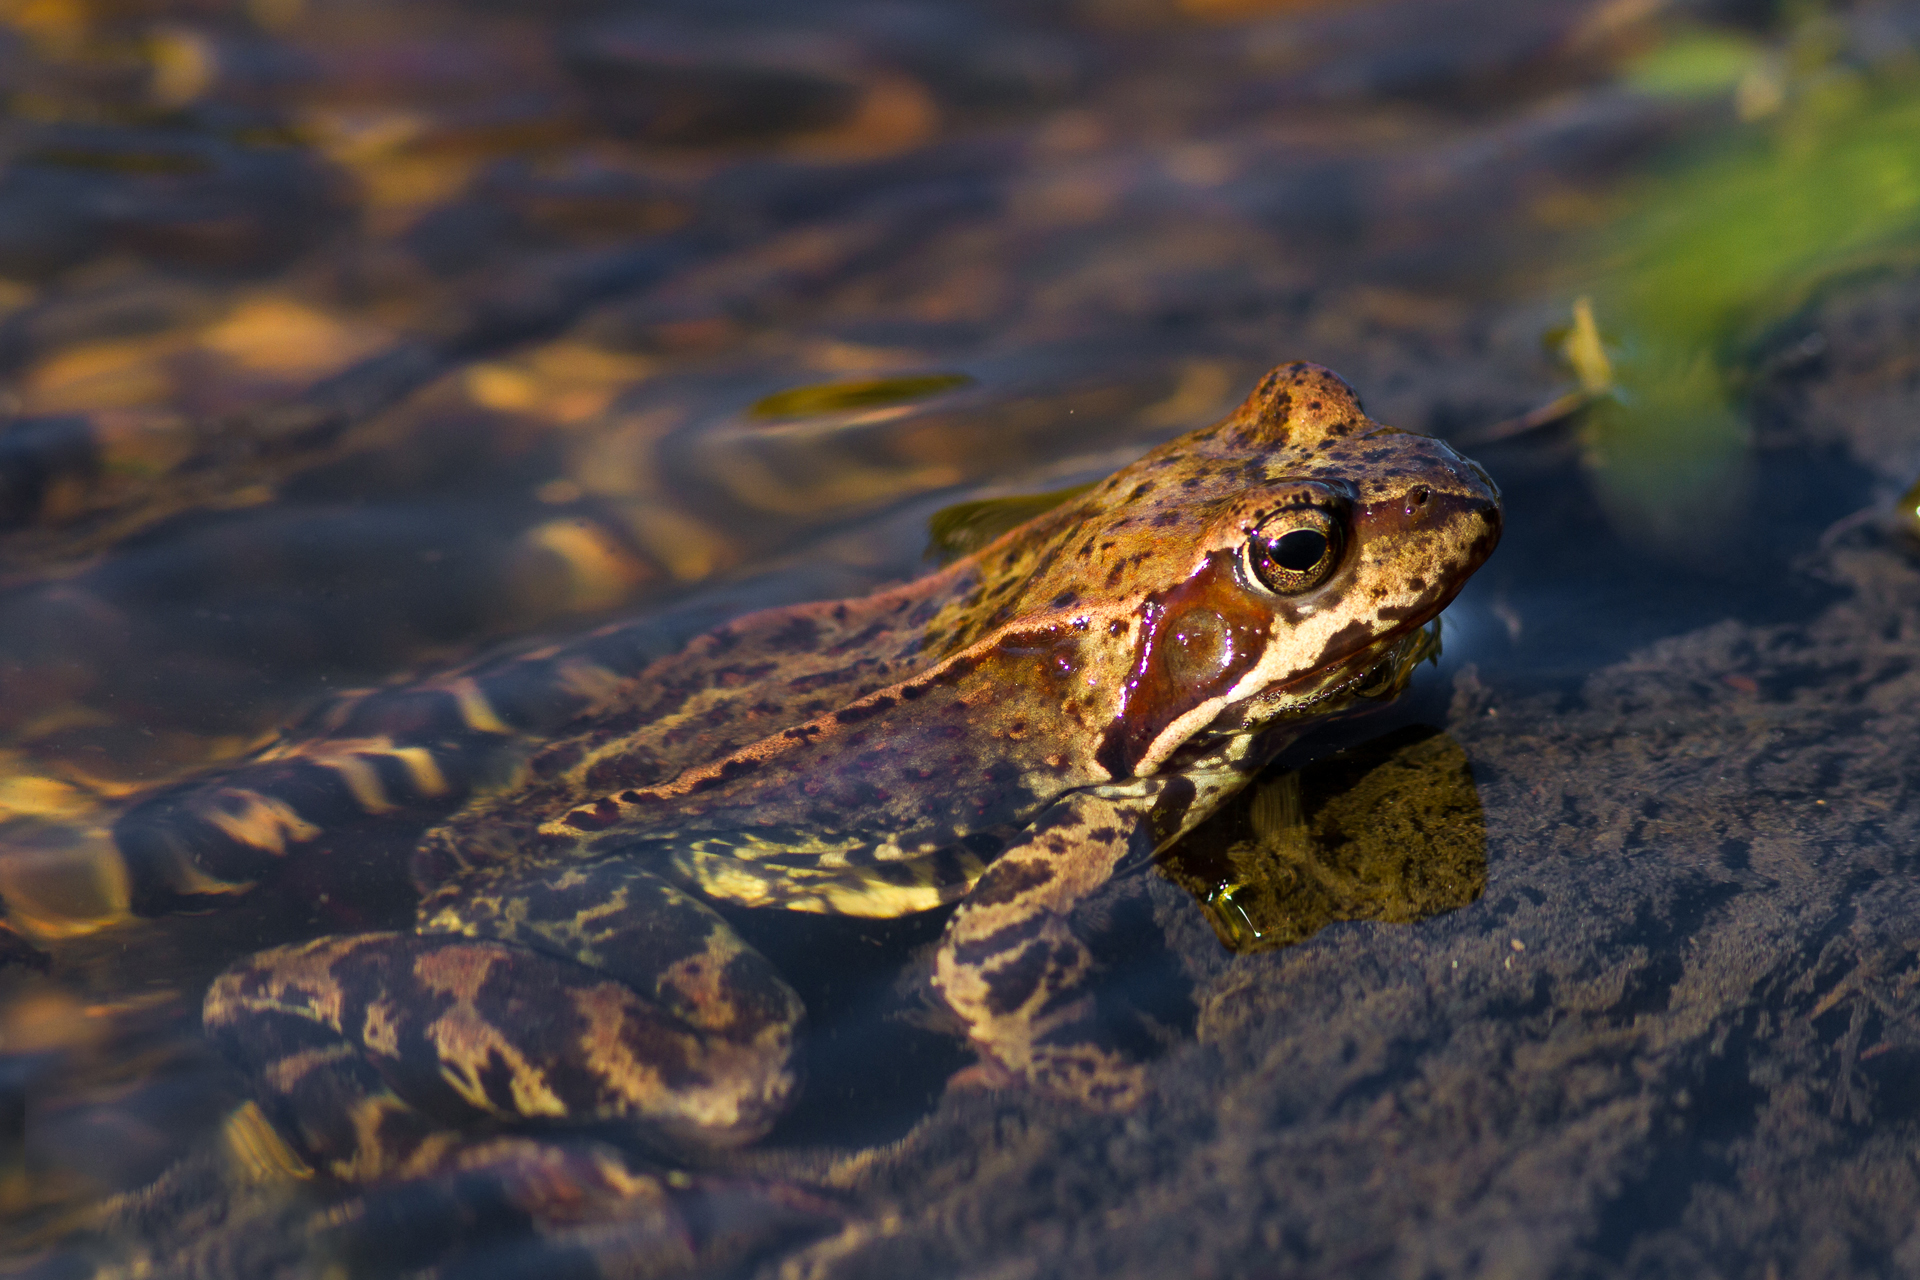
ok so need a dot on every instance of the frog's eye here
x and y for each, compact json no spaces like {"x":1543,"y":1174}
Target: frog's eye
{"x":1296,"y":550}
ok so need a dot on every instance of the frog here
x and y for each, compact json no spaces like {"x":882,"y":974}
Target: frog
{"x":1000,"y":739}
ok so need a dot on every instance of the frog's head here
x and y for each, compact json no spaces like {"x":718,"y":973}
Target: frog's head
{"x":1242,"y":572}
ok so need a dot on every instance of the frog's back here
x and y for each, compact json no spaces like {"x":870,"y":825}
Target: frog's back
{"x":747,"y":680}
{"x":935,"y":720}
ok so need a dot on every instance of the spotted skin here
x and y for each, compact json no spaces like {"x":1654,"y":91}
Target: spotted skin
{"x":1008,"y":734}
{"x":1013,"y":967}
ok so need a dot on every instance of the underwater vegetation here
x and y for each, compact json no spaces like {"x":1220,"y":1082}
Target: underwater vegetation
{"x":1816,"y":177}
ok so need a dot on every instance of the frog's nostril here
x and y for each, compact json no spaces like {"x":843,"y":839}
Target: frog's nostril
{"x":1421,"y":495}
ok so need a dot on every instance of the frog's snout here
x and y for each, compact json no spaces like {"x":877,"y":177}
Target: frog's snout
{"x":1475,"y":522}
{"x":1458,"y":524}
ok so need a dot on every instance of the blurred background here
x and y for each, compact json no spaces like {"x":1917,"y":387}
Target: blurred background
{"x":343,"y":339}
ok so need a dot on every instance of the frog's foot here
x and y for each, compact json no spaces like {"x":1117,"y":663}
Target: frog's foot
{"x":526,"y":1206}
{"x":1012,"y":966}
{"x":372,"y":1053}
{"x":1023,"y":1028}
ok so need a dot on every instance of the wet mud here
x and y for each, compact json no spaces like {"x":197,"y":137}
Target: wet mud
{"x":1677,"y":1035}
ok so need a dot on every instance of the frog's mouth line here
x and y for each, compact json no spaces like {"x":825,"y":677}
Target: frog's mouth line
{"x":1381,"y":680}
{"x":1388,"y":678}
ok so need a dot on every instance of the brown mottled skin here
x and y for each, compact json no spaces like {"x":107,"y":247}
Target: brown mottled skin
{"x":1006,"y":733}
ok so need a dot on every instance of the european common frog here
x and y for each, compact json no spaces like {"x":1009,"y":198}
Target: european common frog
{"x":1005,"y":734}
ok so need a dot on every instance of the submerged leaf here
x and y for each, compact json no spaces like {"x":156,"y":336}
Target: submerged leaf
{"x":1584,"y":351}
{"x":868,"y":393}
{"x":965,"y":527}
{"x":1669,"y":458}
{"x":1719,"y":251}
{"x":1697,"y":64}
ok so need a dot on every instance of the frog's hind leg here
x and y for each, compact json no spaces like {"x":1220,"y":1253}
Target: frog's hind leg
{"x":730,"y":1070}
{"x":596,"y":995}
{"x":1013,"y":967}
{"x":405,"y":753}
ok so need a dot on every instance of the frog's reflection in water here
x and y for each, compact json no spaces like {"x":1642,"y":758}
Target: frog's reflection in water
{"x":1390,"y":830}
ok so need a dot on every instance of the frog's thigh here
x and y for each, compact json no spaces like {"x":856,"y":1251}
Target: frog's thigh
{"x":625,"y":922}
{"x":278,"y":1015}
{"x":1011,"y":966}
{"x":363,"y":1047}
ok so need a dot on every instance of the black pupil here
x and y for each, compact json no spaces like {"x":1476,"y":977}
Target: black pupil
{"x":1300,"y":550}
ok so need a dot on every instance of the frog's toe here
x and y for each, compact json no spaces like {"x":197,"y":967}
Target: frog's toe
{"x":1091,"y":1074}
{"x":1079,"y":1062}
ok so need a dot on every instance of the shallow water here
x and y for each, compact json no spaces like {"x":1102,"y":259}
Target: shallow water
{"x":341,"y":341}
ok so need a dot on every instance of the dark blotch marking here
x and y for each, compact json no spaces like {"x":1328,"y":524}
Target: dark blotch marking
{"x":855,"y":714}
{"x":1006,"y":881}
{"x":603,"y":815}
{"x":1346,"y":640}
{"x":799,"y":635}
{"x":1014,"y":983}
{"x":1170,"y":808}
{"x":1000,"y":940}
{"x":983,"y":843}
{"x":496,"y":1081}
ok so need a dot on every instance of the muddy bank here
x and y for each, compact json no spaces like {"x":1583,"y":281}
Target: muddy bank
{"x":1677,"y":1036}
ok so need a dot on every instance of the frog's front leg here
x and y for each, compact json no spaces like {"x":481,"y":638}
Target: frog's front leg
{"x":597,"y":993}
{"x":1011,"y":964}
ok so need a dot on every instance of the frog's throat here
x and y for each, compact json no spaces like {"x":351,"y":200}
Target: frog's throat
{"x":1376,"y":672}
{"x":1369,"y":678}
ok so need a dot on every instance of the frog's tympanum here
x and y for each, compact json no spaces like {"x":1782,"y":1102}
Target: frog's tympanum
{"x":1006,"y":734}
